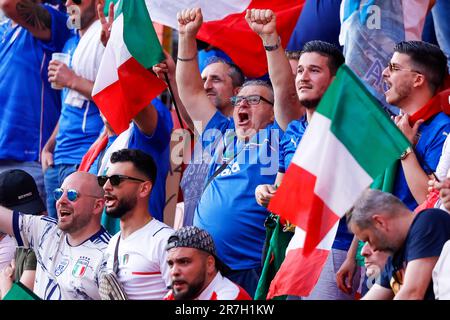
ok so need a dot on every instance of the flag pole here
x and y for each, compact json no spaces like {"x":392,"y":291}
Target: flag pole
{"x":174,"y":101}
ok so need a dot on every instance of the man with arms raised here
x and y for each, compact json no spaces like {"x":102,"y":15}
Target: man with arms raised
{"x":245,"y":155}
{"x":29,"y":106}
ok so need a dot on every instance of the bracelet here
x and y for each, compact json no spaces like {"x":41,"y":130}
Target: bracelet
{"x":408,"y":151}
{"x":185,"y":60}
{"x":274,"y":47}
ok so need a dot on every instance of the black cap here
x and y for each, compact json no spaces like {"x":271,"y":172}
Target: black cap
{"x":18,"y":191}
{"x":193,"y":237}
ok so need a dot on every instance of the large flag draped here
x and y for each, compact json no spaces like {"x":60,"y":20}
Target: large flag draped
{"x":349,"y":142}
{"x":124,"y":84}
{"x":233,"y":35}
{"x":225,"y":27}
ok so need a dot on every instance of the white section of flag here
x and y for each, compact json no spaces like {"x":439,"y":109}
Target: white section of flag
{"x":116,"y":53}
{"x":165,"y":11}
{"x":325,"y":157}
{"x":298,"y":239}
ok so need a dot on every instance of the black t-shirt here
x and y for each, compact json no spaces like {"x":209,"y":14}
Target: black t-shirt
{"x":426,"y":238}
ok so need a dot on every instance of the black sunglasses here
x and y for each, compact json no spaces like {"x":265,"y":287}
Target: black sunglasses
{"x":115,"y":179}
{"x":251,"y":100}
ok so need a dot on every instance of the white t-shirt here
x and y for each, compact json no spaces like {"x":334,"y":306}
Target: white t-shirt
{"x":441,"y":274}
{"x":63,"y":272}
{"x":143,"y":269}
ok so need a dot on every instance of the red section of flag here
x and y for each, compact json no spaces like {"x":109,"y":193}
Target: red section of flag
{"x":124,"y":99}
{"x":296,"y":201}
{"x":93,"y":152}
{"x":298,"y":274}
{"x":233,"y":35}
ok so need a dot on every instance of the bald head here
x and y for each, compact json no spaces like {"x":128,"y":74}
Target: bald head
{"x":79,"y":206}
{"x":85,"y":182}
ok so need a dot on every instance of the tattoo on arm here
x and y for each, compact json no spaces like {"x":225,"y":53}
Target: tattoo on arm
{"x":34,"y":15}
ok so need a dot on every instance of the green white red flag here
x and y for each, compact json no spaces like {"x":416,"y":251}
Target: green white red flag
{"x":349,"y":142}
{"x":125,"y":83}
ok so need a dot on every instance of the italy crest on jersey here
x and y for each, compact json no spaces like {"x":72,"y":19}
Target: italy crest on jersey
{"x":80,"y":267}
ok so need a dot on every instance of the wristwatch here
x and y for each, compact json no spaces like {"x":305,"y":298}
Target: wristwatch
{"x":406,"y":153}
{"x":274,"y":47}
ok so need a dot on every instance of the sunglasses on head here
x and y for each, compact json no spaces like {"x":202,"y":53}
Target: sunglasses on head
{"x":115,"y":179}
{"x":72,"y":194}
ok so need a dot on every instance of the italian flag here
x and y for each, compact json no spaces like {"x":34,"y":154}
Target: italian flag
{"x":124,"y":83}
{"x":349,"y":142}
{"x":225,"y":27}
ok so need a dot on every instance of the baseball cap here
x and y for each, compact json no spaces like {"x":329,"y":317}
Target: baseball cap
{"x":193,"y":237}
{"x":18,"y":191}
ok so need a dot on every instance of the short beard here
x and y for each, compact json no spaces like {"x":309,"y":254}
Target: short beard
{"x":124,"y":206}
{"x":192,"y":292}
{"x":310,"y":104}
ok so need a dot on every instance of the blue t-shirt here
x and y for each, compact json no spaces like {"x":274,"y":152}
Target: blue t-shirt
{"x":288,"y":146}
{"x":158,"y":147}
{"x":29,"y":108}
{"x":426,"y":238}
{"x":227,"y":208}
{"x":428,"y":151}
{"x":78,"y":127}
{"x":289,"y":143}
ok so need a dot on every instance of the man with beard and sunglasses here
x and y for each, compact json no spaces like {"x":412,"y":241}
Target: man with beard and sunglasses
{"x":70,"y":252}
{"x":30,"y":108}
{"x":196,"y":271}
{"x":140,"y":244}
{"x":413,"y":78}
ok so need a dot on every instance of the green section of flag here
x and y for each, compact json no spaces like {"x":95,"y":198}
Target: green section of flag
{"x":139,"y":35}
{"x":276,"y":243}
{"x":19,"y":292}
{"x":361,"y":124}
{"x":118,"y":10}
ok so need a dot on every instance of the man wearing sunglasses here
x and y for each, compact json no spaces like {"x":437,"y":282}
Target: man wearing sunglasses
{"x":140,"y":245}
{"x":413,"y":77}
{"x":70,"y":252}
{"x":244,"y":151}
{"x":30,"y":108}
{"x":80,"y":123}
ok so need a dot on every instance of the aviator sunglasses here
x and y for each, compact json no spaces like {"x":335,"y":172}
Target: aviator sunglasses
{"x":72,"y":194}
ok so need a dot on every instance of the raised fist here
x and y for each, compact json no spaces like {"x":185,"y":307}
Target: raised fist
{"x":189,"y":21}
{"x":263,"y":22}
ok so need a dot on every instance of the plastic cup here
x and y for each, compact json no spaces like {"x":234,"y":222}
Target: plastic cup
{"x":64,"y":58}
